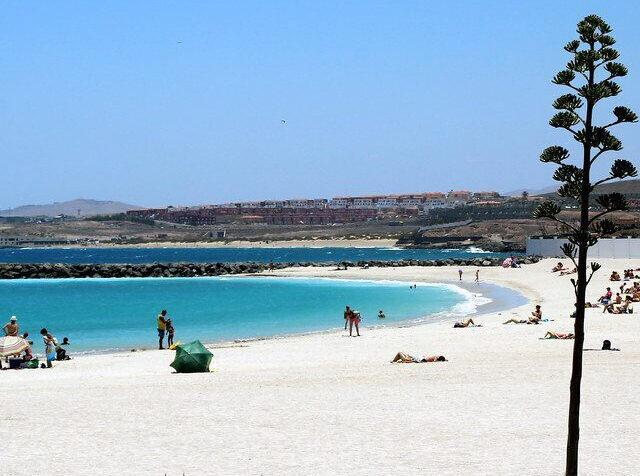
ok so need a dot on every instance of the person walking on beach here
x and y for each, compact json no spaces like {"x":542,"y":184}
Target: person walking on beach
{"x":162,"y":327}
{"x":460,"y":274}
{"x":478,"y":276}
{"x":11,"y":327}
{"x":170,"y":332}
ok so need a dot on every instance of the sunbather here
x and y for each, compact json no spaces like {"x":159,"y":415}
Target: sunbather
{"x":614,"y":276}
{"x":625,"y":308}
{"x":606,"y":297}
{"x":609,"y":307}
{"x":558,"y":267}
{"x":566,"y":271}
{"x":468,"y":323}
{"x":557,"y":335}
{"x":404,"y":358}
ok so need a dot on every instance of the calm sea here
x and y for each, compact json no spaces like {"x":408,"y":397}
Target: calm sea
{"x":104,"y":314}
{"x":204,"y":255}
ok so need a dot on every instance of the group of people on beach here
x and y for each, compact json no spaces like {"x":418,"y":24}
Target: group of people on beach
{"x":52,"y":349}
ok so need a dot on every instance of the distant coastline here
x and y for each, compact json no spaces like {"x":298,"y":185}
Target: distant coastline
{"x":310,"y":243}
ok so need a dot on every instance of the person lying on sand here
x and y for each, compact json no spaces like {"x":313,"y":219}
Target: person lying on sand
{"x":557,"y":335}
{"x":467,"y":323}
{"x":536,"y":317}
{"x":513,"y":320}
{"x":558,"y":267}
{"x":565,"y":272}
{"x":404,"y":358}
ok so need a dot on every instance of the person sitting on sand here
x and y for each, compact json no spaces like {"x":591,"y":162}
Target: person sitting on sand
{"x":537,"y":314}
{"x":625,"y":308}
{"x":381,"y":314}
{"x":609,"y":307}
{"x":404,"y":358}
{"x":467,"y":323}
{"x":11,"y":327}
{"x":614,"y":276}
{"x":558,"y":267}
{"x":606,"y":297}
{"x":557,"y":335}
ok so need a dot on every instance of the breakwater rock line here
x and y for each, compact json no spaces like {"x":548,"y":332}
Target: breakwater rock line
{"x":174,"y":270}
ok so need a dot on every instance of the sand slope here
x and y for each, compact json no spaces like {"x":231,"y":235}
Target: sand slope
{"x":329,"y":404}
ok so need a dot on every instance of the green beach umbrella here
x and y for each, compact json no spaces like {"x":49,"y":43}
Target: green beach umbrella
{"x":191,"y":357}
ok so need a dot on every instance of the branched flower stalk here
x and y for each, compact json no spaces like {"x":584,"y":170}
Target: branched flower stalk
{"x":590,"y":75}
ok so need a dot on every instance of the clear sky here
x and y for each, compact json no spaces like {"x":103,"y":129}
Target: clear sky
{"x":181,"y":102}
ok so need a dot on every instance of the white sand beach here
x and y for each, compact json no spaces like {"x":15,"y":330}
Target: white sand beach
{"x":328,"y":404}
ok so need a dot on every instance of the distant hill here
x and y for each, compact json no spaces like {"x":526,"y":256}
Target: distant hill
{"x":79,"y":207}
{"x":531,"y":191}
{"x":630,"y":188}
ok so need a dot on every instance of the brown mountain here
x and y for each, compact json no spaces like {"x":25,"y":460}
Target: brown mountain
{"x":79,"y":207}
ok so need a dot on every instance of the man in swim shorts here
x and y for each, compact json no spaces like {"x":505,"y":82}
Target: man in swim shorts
{"x":162,"y":327}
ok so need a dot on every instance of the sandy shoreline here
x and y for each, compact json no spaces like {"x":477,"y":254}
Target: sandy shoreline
{"x":328,"y":404}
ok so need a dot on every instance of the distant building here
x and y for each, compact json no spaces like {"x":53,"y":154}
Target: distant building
{"x":458,"y":197}
{"x":486,"y":195}
{"x":387,"y":202}
{"x":340,"y":202}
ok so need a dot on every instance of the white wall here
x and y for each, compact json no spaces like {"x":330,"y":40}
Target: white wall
{"x":604,"y":248}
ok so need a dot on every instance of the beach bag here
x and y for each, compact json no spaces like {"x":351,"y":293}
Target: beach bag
{"x":33,"y":364}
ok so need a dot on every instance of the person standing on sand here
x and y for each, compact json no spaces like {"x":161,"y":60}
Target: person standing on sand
{"x":347,"y":316}
{"x":478,"y":276}
{"x":162,"y":327}
{"x":354,"y":318}
{"x":170,"y":332}
{"x":49,"y":346}
{"x":460,"y":274}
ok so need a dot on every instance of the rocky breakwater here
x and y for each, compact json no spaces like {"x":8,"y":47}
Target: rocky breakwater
{"x":174,"y":270}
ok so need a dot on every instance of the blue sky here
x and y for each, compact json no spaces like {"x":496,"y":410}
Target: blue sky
{"x":164,"y":102}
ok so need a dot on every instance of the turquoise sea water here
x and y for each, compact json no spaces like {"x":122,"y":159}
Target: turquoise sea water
{"x":102,"y":314}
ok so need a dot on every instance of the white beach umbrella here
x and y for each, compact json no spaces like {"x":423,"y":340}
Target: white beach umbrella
{"x":12,"y":345}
